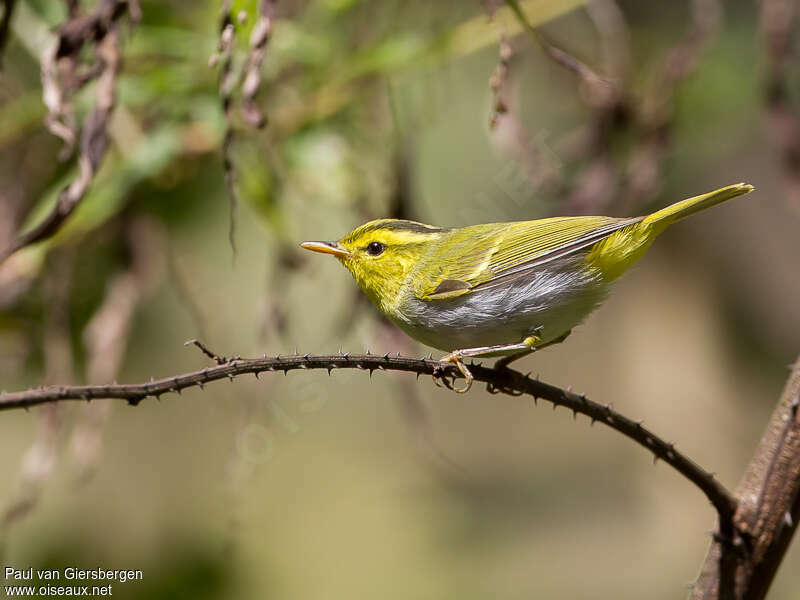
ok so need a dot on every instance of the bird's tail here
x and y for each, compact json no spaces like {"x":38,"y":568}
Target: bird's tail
{"x":690,"y":206}
{"x":624,"y":247}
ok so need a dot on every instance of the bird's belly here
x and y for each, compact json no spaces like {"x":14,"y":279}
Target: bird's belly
{"x":546,"y":303}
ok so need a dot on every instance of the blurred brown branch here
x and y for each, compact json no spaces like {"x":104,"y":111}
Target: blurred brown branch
{"x":105,"y":337}
{"x":5,"y":25}
{"x":248,"y":77}
{"x":40,"y":460}
{"x":768,"y":505}
{"x":63,"y":74}
{"x":778,"y":20}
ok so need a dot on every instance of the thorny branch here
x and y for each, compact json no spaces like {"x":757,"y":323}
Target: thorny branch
{"x":497,"y":380}
{"x":63,"y":74}
{"x":768,"y":506}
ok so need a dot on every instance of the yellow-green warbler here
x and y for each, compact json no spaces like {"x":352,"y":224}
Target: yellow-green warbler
{"x":499,"y":289}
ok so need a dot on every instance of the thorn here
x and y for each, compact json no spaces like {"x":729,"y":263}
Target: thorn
{"x":569,"y":389}
{"x":264,"y":356}
{"x":418,"y":374}
{"x":306,"y":355}
{"x":787,"y":518}
{"x":574,"y":414}
{"x":591,"y":422}
{"x":655,"y":459}
{"x":230,"y":377}
{"x":340,"y":351}
{"x":201,"y":385}
{"x":368,"y":352}
{"x":535,"y":401}
{"x":330,"y":368}
{"x":671,"y":450}
{"x":346,"y":356}
{"x":398,"y":355}
{"x":639,"y":423}
{"x":370,"y":373}
{"x":285,"y":371}
{"x":256,"y":374}
{"x":430,"y":356}
{"x":295,"y":351}
{"x":386,"y":356}
{"x":278,"y":357}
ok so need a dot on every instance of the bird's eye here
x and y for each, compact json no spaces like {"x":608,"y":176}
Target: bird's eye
{"x":375,"y":248}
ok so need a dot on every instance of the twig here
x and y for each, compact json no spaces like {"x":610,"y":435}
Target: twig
{"x":497,"y":82}
{"x":220,"y":360}
{"x":561,"y":57}
{"x":505,"y":380}
{"x":229,"y":79}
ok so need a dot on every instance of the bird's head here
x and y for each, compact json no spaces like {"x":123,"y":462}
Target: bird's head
{"x":381,"y":255}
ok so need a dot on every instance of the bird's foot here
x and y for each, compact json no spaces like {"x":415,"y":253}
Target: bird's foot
{"x":457,"y":358}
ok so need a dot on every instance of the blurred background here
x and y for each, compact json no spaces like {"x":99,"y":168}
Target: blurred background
{"x":310,"y":486}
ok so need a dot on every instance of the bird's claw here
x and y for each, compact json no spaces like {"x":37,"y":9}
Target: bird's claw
{"x":455,"y":358}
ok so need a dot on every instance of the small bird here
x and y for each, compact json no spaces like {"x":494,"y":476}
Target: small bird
{"x":499,"y":289}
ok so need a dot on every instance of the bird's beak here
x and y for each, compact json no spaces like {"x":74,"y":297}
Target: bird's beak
{"x":326,"y":248}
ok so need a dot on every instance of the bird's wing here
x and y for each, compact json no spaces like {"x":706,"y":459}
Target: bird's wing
{"x":485,"y":255}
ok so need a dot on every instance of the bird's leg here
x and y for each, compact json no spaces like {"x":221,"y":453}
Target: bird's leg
{"x":457,"y":357}
{"x":532,"y":343}
{"x":505,"y":361}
